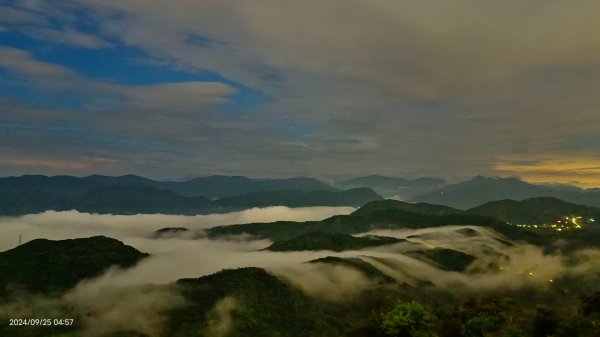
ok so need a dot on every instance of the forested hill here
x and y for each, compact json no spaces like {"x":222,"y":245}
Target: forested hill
{"x":48,"y":266}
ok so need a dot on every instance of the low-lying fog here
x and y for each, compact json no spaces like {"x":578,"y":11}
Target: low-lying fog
{"x":73,"y":224}
{"x":179,"y":257}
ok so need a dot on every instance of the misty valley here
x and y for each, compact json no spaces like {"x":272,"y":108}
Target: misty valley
{"x":127,"y":256}
{"x":297,"y":168}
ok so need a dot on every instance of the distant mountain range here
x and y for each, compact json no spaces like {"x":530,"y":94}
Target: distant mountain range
{"x":393,"y":187}
{"x":474,"y":192}
{"x":133,"y":194}
{"x":355,"y":197}
{"x":217,"y":194}
{"x":543,"y":210}
{"x":209,"y":187}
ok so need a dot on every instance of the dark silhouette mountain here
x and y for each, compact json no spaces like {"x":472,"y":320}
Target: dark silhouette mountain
{"x":115,"y":199}
{"x":56,"y":266}
{"x":210,"y":187}
{"x":297,"y":198}
{"x":470,"y":193}
{"x":226,"y":186}
{"x":395,"y":187}
{"x":330,"y":241}
{"x":359,"y":222}
{"x":121,"y":199}
{"x":421,"y":208}
{"x":169,"y":232}
{"x":542,"y":210}
{"x":132,"y":194}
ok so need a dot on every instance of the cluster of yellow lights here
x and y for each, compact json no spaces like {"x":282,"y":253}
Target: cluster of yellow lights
{"x":565,"y":223}
{"x":530,"y":274}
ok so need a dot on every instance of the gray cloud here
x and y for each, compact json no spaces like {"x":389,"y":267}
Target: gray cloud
{"x":164,"y":96}
{"x":427,"y":87}
{"x":20,"y":61}
{"x":68,"y":36}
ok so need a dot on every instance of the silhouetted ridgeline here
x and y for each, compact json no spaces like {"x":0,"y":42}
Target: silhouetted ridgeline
{"x":395,"y":187}
{"x":474,"y":192}
{"x":132,"y":194}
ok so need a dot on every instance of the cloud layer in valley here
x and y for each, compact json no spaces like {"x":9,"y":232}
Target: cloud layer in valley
{"x":144,"y":288}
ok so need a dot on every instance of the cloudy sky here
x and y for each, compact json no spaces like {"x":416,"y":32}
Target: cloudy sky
{"x":182,"y":88}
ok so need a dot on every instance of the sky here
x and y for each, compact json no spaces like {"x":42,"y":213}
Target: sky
{"x":184,"y":88}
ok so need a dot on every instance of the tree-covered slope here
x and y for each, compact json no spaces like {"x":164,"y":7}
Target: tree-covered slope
{"x":330,"y":241}
{"x":55,"y":266}
{"x":421,"y":208}
{"x":444,"y":258}
{"x":354,"y":223}
{"x":248,"y":302}
{"x":535,"y":210}
{"x":356,"y":263}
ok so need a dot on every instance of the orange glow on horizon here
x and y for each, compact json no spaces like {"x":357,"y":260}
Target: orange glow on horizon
{"x":580,"y":171}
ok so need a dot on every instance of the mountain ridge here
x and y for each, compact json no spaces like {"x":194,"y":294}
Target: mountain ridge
{"x":480,"y":189}
{"x":133,"y":194}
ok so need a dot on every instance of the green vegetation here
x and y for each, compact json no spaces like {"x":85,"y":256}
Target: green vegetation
{"x":356,"y":263}
{"x":421,"y":208}
{"x":408,"y":319}
{"x":260,"y":305}
{"x":360,"y":222}
{"x":331,"y":241}
{"x":535,"y":211}
{"x":444,"y":258}
{"x":253,"y":302}
{"x":52,"y":267}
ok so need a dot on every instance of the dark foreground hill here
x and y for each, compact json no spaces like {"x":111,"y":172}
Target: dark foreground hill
{"x":258,"y":302}
{"x":55,"y":266}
